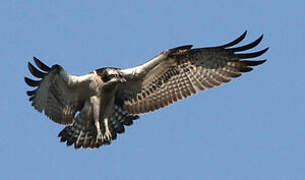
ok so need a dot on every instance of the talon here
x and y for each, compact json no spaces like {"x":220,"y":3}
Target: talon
{"x":107,"y":136}
{"x":99,"y":138}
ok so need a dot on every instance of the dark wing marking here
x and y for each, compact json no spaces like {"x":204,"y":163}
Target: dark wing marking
{"x":185,"y":71}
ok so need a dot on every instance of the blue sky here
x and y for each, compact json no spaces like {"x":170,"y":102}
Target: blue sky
{"x":252,"y":128}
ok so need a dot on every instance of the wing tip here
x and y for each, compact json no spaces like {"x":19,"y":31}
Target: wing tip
{"x":248,"y":46}
{"x":253,"y":54}
{"x":35,"y":72}
{"x":254,"y":63}
{"x":41,"y":65}
{"x":31,"y":82}
{"x":234,"y":42}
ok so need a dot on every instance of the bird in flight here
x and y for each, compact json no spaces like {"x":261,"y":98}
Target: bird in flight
{"x":96,"y":106}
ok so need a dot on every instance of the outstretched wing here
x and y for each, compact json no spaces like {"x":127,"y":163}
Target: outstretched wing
{"x":180,"y":72}
{"x":59,"y":94}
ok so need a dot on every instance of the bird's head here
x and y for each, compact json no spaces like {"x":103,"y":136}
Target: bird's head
{"x":110,"y":75}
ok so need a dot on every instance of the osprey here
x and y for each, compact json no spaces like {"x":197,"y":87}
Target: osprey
{"x":95,"y":107}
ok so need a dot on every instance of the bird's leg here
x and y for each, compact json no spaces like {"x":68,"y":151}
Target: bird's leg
{"x":107,"y":135}
{"x":95,"y":102}
{"x":98,"y":130}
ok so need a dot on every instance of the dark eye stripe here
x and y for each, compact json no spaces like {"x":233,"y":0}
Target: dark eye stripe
{"x":105,"y":78}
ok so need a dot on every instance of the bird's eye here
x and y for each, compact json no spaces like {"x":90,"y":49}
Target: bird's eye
{"x":106,"y":78}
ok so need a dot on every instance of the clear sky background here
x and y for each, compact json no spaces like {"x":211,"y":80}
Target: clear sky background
{"x":252,"y":128}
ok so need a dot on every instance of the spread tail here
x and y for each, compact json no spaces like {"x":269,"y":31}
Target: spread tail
{"x":79,"y":135}
{"x":85,"y":134}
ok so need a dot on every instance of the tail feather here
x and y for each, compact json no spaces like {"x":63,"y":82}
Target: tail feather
{"x":85,"y":135}
{"x":79,"y":136}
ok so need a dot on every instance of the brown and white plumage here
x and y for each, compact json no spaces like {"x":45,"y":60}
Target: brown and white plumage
{"x":109,"y":98}
{"x":57,"y":94}
{"x":180,"y":72}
